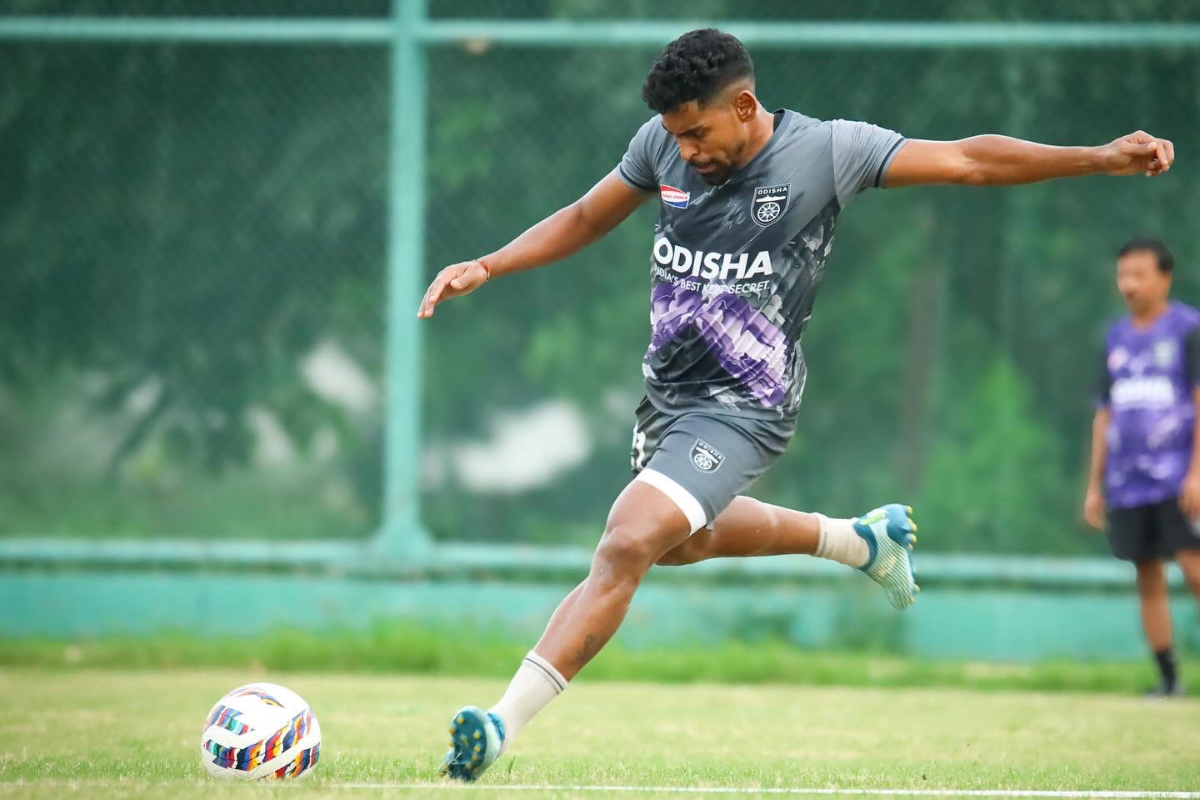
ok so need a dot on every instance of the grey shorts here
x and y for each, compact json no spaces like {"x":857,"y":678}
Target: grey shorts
{"x":703,"y":460}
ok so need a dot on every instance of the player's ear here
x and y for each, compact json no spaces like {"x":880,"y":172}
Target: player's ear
{"x":745,"y":105}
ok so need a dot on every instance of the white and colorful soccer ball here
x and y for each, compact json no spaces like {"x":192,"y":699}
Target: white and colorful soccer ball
{"x":260,"y":730}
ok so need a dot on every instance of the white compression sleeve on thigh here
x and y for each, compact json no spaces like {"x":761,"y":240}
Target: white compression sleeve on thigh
{"x":678,"y":495}
{"x":840,"y":543}
{"x":536,"y":683}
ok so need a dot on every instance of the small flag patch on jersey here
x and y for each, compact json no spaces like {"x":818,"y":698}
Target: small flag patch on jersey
{"x":676,"y":198}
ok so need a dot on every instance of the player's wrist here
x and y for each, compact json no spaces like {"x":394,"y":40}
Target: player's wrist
{"x":487,"y":269}
{"x":1103,"y":158}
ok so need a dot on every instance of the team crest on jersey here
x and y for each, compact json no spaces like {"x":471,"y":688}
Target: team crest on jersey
{"x":675,"y":198}
{"x":769,"y":203}
{"x":705,"y":457}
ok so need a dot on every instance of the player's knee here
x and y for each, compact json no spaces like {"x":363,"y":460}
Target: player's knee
{"x":677,"y":557}
{"x":627,"y":549}
{"x":693,"y":549}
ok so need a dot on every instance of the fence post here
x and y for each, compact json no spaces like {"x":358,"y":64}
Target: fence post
{"x":402,"y":535}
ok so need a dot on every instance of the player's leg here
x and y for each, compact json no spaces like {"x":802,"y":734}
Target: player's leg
{"x":875,"y":543}
{"x":643,"y":524}
{"x":1166,"y":531}
{"x":1182,"y":540}
{"x":1153,"y":597}
{"x":749,"y":527}
{"x":1155,"y":605}
{"x":1177,"y":538}
{"x":690,"y":467}
{"x":1189,"y":564}
{"x":1133,"y":534}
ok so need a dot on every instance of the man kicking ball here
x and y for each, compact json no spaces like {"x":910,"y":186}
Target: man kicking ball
{"x":748,"y":202}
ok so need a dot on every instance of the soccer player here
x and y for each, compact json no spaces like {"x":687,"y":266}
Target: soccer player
{"x":748,"y":200}
{"x":1144,"y":465}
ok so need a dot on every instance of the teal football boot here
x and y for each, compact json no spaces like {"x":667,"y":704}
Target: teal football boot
{"x":890,"y":534}
{"x":475,"y":739}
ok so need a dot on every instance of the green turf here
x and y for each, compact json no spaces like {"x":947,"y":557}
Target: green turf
{"x":397,"y":647}
{"x":105,"y":734}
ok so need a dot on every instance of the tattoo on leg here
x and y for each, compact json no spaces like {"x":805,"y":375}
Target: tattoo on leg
{"x":591,"y":646}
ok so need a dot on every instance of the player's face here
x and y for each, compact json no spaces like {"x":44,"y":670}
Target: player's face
{"x":1143,"y":285}
{"x":713,"y":138}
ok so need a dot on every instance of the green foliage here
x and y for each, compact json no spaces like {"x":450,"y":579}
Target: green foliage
{"x":991,"y":484}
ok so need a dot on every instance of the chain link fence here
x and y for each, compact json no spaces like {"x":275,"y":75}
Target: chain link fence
{"x":193,"y":245}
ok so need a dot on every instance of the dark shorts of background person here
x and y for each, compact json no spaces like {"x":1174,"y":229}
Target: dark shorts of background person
{"x":1151,"y":532}
{"x":702,"y":460}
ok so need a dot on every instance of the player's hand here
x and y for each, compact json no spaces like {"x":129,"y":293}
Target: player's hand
{"x":453,"y":281}
{"x":1189,"y":497}
{"x":1139,"y":153}
{"x":1093,"y":508}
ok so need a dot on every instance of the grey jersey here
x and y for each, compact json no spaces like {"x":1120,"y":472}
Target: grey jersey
{"x":735,"y":268}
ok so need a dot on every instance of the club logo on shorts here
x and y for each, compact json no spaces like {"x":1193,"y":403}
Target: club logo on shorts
{"x":705,"y":457}
{"x":675,"y":198}
{"x":769,"y":203}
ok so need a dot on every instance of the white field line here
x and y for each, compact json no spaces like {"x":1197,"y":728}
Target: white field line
{"x":1129,"y":795}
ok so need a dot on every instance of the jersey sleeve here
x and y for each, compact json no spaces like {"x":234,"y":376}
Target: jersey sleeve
{"x":1191,"y":357}
{"x":861,"y":155}
{"x":637,"y":168}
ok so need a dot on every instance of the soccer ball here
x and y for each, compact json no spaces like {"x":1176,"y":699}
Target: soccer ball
{"x":260,"y":731}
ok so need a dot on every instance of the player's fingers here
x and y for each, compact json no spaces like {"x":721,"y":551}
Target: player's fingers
{"x":422,"y":308}
{"x":1141,"y":150}
{"x":1163,"y":155}
{"x":426,"y":302}
{"x":1161,"y":161}
{"x":1170,"y":147}
{"x":433,"y":296}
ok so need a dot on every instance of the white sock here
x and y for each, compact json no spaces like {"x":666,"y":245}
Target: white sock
{"x":536,"y":683}
{"x":840,"y":543}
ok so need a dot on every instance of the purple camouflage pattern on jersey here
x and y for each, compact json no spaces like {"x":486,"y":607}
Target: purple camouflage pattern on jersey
{"x":749,"y":348}
{"x":1149,"y":437}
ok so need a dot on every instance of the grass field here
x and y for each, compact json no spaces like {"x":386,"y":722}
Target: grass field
{"x":400,"y":648}
{"x":107,"y":734}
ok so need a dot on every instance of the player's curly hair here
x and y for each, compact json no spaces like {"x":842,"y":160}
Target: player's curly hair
{"x":696,"y":66}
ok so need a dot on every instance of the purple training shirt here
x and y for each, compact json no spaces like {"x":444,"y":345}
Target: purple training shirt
{"x":1147,"y":382}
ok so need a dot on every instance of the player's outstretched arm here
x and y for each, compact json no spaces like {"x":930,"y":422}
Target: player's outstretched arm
{"x":557,"y":236}
{"x":1003,"y":161}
